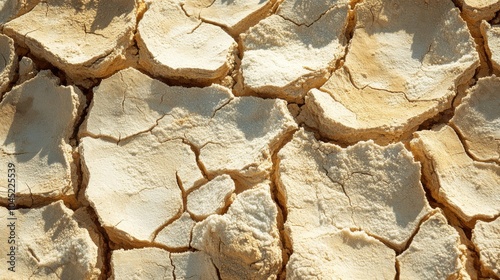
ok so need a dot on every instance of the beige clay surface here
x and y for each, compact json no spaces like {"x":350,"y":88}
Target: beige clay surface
{"x":174,"y":45}
{"x":250,"y":139}
{"x":9,"y":63}
{"x":244,"y":242}
{"x":434,"y":253}
{"x":477,"y":119}
{"x":486,"y":239}
{"x":36,"y":136}
{"x":53,"y":243}
{"x":409,"y":74}
{"x":233,"y":16}
{"x":211,"y":198}
{"x":491,"y":35}
{"x":454,"y":178}
{"x":177,"y":234}
{"x":86,"y":40}
{"x":285,"y":59}
{"x":144,"y":263}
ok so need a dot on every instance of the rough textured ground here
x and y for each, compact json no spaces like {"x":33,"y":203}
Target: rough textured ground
{"x":250,"y":139}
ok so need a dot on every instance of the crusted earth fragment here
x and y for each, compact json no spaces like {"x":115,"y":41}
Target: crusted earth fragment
{"x":477,"y":120}
{"x":434,"y":253}
{"x":244,"y":243}
{"x":144,"y":263}
{"x":11,"y":9}
{"x":363,"y":187}
{"x":491,"y":36}
{"x":27,"y":70}
{"x":285,"y":59}
{"x":211,"y":198}
{"x":35,"y":138}
{"x":177,"y":131}
{"x":360,"y":187}
{"x":52,"y":242}
{"x":8,"y":64}
{"x":176,"y":46}
{"x":211,"y":120}
{"x":409,"y":74}
{"x":138,"y":176}
{"x":86,"y":40}
{"x":193,"y":265}
{"x":340,"y":254}
{"x":486,"y":238}
{"x":477,"y":10}
{"x":250,"y":139}
{"x":234,"y":16}
{"x":177,"y":235}
{"x":453,"y":178}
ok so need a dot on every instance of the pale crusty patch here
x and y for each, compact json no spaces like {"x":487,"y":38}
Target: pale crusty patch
{"x":27,"y":70}
{"x":434,"y":253}
{"x":282,"y":59}
{"x":193,"y":265}
{"x":176,"y":46}
{"x":491,"y":35}
{"x":244,"y":243}
{"x":363,"y":187}
{"x":409,"y":73}
{"x":144,"y":263}
{"x":211,"y":198}
{"x":36,"y":138}
{"x":486,"y":238}
{"x":477,"y":119}
{"x":234,"y":16}
{"x":211,"y":120}
{"x":139,"y":177}
{"x":177,"y":235}
{"x":340,"y":254}
{"x":86,"y":41}
{"x":453,"y":178}
{"x":52,"y":242}
{"x":8,"y":65}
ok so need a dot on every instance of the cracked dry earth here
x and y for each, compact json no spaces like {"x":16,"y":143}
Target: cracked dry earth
{"x":250,"y":139}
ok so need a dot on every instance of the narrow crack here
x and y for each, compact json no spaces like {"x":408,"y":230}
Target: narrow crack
{"x":26,"y":34}
{"x":31,"y":195}
{"x":98,"y":59}
{"x":341,"y":184}
{"x":104,"y":251}
{"x":183,"y":192}
{"x":196,"y":27}
{"x":186,"y":13}
{"x":398,"y":270}
{"x":315,"y":20}
{"x":91,"y":32}
{"x":196,"y":152}
{"x":217,"y":271}
{"x":32,"y":253}
{"x":378,"y":238}
{"x":2,"y":151}
{"x":279,"y":198}
{"x":229,"y":100}
{"x":415,"y":232}
{"x":172,"y":263}
{"x":166,"y":224}
{"x":402,"y":93}
{"x":463,"y":140}
{"x":120,"y":139}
